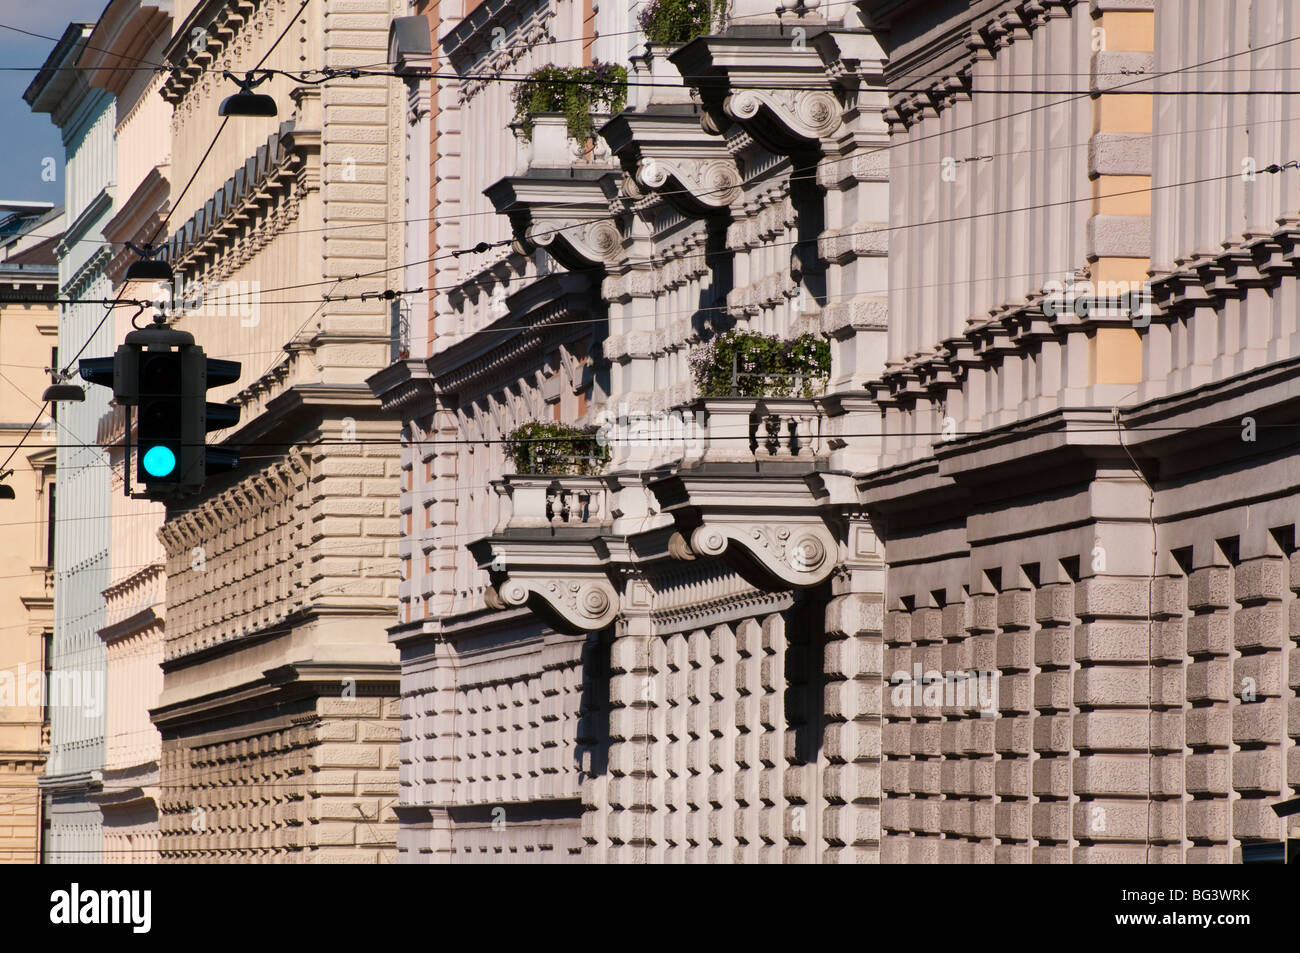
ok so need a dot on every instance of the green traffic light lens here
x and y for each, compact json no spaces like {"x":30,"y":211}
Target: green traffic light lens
{"x":159,"y":461}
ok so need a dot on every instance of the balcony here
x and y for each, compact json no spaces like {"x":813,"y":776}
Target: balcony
{"x":762,"y":431}
{"x":544,"y":502}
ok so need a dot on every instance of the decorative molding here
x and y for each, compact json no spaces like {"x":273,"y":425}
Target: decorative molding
{"x":809,"y":114}
{"x":581,"y":604}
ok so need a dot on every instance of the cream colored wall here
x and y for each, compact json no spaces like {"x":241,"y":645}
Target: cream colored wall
{"x":143,"y":137}
{"x":26,"y":335}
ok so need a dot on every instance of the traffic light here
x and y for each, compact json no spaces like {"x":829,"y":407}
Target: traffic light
{"x":199,"y":373}
{"x":159,"y":420}
{"x":166,"y":376}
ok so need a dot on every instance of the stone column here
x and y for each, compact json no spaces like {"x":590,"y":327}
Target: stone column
{"x":854,"y":659}
{"x":635,"y":691}
{"x":1207,"y":728}
{"x":1259,"y":635}
{"x":1053,"y":727}
{"x":1116,"y":687}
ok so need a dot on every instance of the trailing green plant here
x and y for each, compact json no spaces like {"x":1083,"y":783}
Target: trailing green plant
{"x":739,"y":363}
{"x":575,"y":91}
{"x":673,"y":22}
{"x":545,"y":446}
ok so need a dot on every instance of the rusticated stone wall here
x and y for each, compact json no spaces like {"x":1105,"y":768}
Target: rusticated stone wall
{"x":1120,"y":736}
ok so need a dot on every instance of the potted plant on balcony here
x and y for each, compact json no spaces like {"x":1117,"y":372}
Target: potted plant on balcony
{"x":555,"y":449}
{"x":578,"y":93}
{"x":740,"y":363}
{"x":755,"y":390}
{"x":674,"y":22}
{"x":667,"y":24}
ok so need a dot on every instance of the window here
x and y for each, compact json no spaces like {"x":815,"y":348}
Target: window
{"x":54,"y":379}
{"x":47,"y":663}
{"x":49,"y":528}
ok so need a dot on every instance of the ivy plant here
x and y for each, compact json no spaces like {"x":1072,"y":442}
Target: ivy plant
{"x":739,"y":363}
{"x":673,"y":22}
{"x":545,"y":446}
{"x":575,"y":91}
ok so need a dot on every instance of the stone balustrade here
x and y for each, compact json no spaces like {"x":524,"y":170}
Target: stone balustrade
{"x":536,"y":502}
{"x":747,"y":430}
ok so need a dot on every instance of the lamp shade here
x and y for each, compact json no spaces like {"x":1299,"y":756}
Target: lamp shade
{"x":149,"y":269}
{"x":247,"y":104}
{"x":63,"y":392}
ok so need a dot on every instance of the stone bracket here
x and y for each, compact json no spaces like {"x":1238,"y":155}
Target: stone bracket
{"x":772,"y":530}
{"x":568,"y":602}
{"x":810,"y":114}
{"x":560,"y":578}
{"x":770,"y":555}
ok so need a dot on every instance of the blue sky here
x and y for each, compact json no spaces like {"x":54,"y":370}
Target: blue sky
{"x":29,"y":137}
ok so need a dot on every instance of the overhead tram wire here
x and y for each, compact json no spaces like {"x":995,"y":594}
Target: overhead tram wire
{"x":1188,"y":68}
{"x":1140,"y":78}
{"x":393,"y":293}
{"x":1272,"y":168}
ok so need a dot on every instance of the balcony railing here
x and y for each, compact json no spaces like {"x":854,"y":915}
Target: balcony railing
{"x":747,"y":430}
{"x":535,"y":502}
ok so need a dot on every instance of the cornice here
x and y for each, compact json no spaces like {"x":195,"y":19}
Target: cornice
{"x":220,"y":22}
{"x":403,"y":386}
{"x":133,"y":624}
{"x":85,"y":221}
{"x":284,"y":685}
{"x":121,"y":40}
{"x":285,"y":167}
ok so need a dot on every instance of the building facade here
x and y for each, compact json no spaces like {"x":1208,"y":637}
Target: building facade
{"x":74,"y":772}
{"x":278,"y":713}
{"x":29,"y":285}
{"x":128,"y":34}
{"x":1096,"y":504}
{"x":671,"y":659}
{"x":1012,"y":585}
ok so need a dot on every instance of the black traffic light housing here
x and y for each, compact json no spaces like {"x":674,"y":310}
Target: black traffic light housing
{"x":166,"y":376}
{"x":160,"y":430}
{"x":200,"y":417}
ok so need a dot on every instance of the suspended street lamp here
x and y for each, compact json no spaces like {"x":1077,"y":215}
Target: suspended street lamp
{"x":148,"y":268}
{"x":64,"y":393}
{"x":246,"y":102}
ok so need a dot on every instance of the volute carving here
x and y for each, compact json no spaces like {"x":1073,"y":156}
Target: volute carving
{"x":596,"y":242}
{"x":571,"y":604}
{"x":712,"y":182}
{"x":811,"y":113}
{"x":769,"y":555}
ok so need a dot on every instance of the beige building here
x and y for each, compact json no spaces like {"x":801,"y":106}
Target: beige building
{"x":279,"y":713}
{"x":1018,"y":585}
{"x":29,"y":284}
{"x":126,"y":33}
{"x":1097,"y":504}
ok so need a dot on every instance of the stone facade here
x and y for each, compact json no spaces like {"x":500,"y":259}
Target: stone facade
{"x":999,"y":595}
{"x":278,"y":704}
{"x":1097,"y":520}
{"x":29,"y":281}
{"x":86,"y":117}
{"x":672,"y":661}
{"x":132,"y":635}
